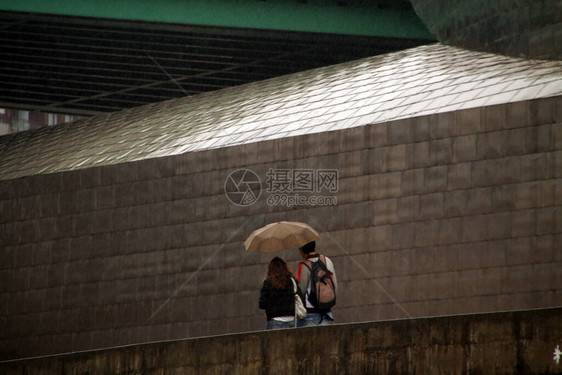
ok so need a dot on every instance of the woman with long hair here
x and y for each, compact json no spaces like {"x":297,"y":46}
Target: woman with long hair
{"x":277,"y":295}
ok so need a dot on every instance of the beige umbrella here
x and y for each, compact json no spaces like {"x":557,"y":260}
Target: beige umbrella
{"x":279,"y":236}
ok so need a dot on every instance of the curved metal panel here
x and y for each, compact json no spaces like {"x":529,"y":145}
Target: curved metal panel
{"x":415,"y":82}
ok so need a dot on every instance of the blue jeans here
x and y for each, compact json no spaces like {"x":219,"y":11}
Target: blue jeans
{"x":315,"y":319}
{"x":275,"y":324}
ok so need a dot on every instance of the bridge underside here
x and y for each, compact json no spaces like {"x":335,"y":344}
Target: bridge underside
{"x":81,"y":58}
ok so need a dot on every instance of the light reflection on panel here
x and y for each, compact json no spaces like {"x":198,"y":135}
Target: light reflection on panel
{"x":419,"y":81}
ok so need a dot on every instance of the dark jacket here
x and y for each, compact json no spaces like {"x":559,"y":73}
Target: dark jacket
{"x":277,"y":302}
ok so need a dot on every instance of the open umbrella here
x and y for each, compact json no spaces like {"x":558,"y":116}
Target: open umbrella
{"x":279,"y":236}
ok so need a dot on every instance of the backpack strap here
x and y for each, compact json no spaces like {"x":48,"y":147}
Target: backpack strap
{"x":309,"y":266}
{"x":323,"y":259}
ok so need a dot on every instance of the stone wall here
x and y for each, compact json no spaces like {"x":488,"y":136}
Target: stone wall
{"x":452,"y":213}
{"x":530,"y":28}
{"x":500,"y":343}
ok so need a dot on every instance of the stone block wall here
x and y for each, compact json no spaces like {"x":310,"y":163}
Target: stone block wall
{"x":498,"y":343}
{"x":446,"y":214}
{"x":515,"y":28}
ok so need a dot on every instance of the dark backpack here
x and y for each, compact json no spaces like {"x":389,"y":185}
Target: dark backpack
{"x":322,"y":290}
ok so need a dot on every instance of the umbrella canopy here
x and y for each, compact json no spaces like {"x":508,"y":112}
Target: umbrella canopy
{"x":279,"y":236}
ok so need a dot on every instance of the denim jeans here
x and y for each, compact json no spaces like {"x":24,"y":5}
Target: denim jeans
{"x":275,"y":324}
{"x":315,"y":319}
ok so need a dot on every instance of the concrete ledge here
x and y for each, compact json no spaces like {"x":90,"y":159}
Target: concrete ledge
{"x":520,"y":342}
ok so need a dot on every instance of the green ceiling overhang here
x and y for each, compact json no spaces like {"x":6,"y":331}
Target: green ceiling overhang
{"x":353,"y":17}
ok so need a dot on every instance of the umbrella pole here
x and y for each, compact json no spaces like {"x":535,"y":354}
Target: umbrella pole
{"x":295,"y":299}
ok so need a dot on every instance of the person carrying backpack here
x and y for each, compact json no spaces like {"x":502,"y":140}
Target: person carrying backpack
{"x":317,"y":279}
